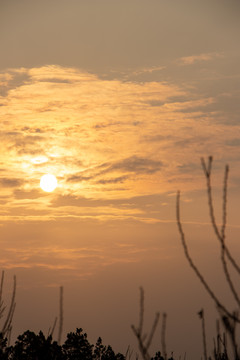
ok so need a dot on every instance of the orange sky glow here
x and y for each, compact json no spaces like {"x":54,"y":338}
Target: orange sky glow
{"x":121,"y":117}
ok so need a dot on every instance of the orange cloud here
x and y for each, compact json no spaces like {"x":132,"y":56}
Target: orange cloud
{"x":103,"y":139}
{"x":189,"y":60}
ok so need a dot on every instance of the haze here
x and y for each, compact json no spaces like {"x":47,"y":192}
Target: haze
{"x":119,"y":100}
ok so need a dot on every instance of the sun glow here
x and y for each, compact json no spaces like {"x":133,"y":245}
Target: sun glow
{"x":48,"y":182}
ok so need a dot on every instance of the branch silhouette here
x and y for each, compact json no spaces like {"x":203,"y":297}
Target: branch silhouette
{"x":144,"y":341}
{"x":229,"y":318}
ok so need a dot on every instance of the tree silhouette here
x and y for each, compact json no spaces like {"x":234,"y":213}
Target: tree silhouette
{"x":4,"y":350}
{"x":30,"y":346}
{"x":102,"y":352}
{"x":77,"y":346}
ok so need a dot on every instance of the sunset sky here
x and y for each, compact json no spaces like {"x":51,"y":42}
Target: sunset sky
{"x":119,"y":99}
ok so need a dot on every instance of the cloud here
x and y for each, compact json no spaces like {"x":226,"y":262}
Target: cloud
{"x":21,"y":142}
{"x":10,"y":182}
{"x":134,"y":164}
{"x":104,"y":139}
{"x":28,"y":194}
{"x":233,"y":142}
{"x":190,"y":60}
{"x":78,"y":178}
{"x":148,"y":70}
{"x":116,"y":180}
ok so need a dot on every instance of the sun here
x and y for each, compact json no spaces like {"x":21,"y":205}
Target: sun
{"x":48,"y":182}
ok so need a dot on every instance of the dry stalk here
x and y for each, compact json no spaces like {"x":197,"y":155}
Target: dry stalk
{"x":144,"y":341}
{"x":51,"y":330}
{"x":192,"y":264}
{"x":201,"y":315}
{"x":7,"y":324}
{"x":60,"y":315}
{"x":221,"y":235}
{"x":163,"y":336}
{"x":229,"y":319}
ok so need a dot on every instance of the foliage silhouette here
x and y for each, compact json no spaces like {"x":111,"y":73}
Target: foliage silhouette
{"x":30,"y":346}
{"x":77,"y":346}
{"x":102,"y":352}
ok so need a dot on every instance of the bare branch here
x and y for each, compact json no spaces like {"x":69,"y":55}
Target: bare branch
{"x":221,"y":235}
{"x":154,"y":326}
{"x":53,"y":327}
{"x":201,"y":315}
{"x":143,"y":347}
{"x":2,"y":308}
{"x":194,"y":267}
{"x":141,"y":313}
{"x":60,"y":315}
{"x":9,"y":317}
{"x":163,"y":336}
{"x":1,"y":286}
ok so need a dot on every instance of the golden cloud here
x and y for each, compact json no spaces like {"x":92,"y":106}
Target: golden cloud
{"x":102,"y":139}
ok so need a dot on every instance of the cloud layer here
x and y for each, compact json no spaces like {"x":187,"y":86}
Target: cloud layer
{"x":103,"y":139}
{"x":119,"y":148}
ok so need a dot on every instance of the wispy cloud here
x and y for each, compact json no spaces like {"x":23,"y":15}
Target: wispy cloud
{"x":189,"y":60}
{"x":10,"y":182}
{"x":103,"y":139}
{"x":133,"y":164}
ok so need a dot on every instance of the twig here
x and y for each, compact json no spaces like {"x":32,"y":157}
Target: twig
{"x":201,"y":315}
{"x":163,"y":336}
{"x":221,"y":235}
{"x":194,"y":267}
{"x":60,"y":315}
{"x":144,"y":341}
{"x":230,"y":326}
{"x":9,"y":317}
{"x":2,"y":308}
{"x":53,"y":327}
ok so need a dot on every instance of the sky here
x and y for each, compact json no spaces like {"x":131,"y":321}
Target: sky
{"x":119,"y":100}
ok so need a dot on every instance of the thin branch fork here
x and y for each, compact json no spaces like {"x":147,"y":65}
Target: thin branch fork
{"x":7,"y":325}
{"x":194,"y":267}
{"x":144,"y":341}
{"x":221,"y":234}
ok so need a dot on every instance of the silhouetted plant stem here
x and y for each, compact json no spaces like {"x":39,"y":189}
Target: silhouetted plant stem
{"x":219,"y":343}
{"x":129,"y":353}
{"x":8,"y":321}
{"x":230,"y":326}
{"x":144,"y":341}
{"x":51,"y":331}
{"x":2,"y":308}
{"x":60,"y":315}
{"x":201,"y":315}
{"x":191,"y":263}
{"x":221,"y":235}
{"x":229,"y":319}
{"x":163,"y":336}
